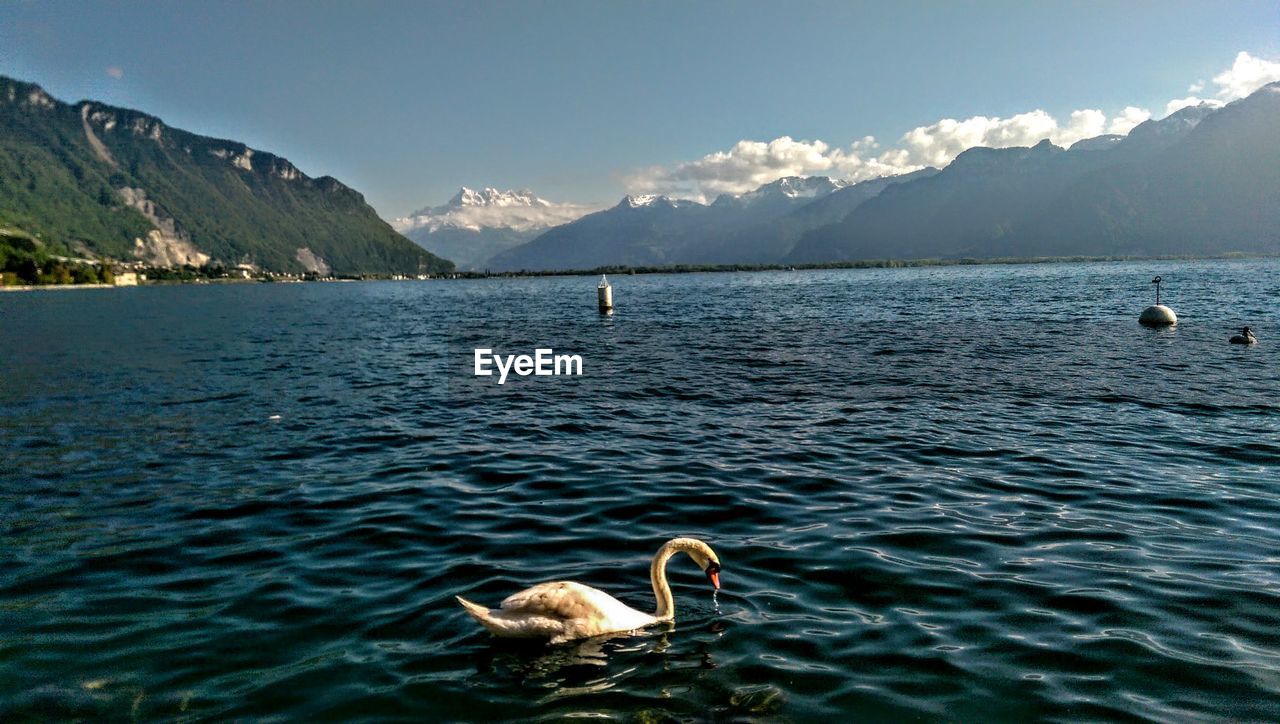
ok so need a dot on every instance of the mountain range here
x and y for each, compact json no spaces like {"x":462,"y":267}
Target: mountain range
{"x":1202,"y":181}
{"x":94,"y":180}
{"x":756,"y":227}
{"x":475,"y":225}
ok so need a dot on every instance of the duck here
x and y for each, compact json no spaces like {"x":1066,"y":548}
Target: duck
{"x":1245,"y":337}
{"x":562,"y":611}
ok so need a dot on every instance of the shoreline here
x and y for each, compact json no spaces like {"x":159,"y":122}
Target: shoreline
{"x":624,"y":270}
{"x":861,"y":264}
{"x":38,"y":287}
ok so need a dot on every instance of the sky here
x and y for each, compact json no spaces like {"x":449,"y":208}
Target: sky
{"x":583,"y":101}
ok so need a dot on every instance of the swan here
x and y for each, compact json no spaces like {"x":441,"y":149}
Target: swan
{"x":562,"y":611}
{"x":1245,"y":337}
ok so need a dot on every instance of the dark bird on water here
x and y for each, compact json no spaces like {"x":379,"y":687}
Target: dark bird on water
{"x":1245,"y":337}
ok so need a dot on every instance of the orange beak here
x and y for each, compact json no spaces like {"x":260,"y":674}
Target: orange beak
{"x":713,"y":575}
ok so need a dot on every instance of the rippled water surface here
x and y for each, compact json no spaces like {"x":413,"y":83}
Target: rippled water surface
{"x":970,"y":492}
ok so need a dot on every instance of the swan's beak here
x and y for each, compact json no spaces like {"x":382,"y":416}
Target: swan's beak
{"x":713,"y":575}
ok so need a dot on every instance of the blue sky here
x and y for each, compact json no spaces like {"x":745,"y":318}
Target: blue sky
{"x":582,"y":101}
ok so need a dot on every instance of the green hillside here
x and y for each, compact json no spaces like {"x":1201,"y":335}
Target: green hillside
{"x":91,"y":179}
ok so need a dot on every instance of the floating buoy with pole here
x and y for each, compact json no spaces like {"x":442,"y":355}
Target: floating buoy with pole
{"x":1157,"y":315}
{"x":604,"y":295}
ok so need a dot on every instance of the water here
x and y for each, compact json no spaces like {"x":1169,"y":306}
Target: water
{"x":970,"y":493}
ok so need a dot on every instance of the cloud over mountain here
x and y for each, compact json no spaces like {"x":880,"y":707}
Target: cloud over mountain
{"x":750,"y":163}
{"x":1246,"y":75}
{"x":745,"y":166}
{"x":1130,"y":117}
{"x":939,"y":143}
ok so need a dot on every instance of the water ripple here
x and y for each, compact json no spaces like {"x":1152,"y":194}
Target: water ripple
{"x":963,"y":493}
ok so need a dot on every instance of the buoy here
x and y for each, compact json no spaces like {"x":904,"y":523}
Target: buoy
{"x":604,"y":294}
{"x":1245,"y":337}
{"x":1157,"y":315}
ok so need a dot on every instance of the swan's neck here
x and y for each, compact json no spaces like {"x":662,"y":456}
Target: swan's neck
{"x":661,"y":589}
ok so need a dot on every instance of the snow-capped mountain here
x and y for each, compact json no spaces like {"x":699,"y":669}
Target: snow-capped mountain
{"x":791,"y":188}
{"x":654,"y":230}
{"x":476,"y":224}
{"x":633,"y":201}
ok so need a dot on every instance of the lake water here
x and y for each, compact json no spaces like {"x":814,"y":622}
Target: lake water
{"x":972,"y":493}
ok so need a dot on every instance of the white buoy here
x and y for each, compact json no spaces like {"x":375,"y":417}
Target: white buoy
{"x":1157,"y":315}
{"x":604,"y":295}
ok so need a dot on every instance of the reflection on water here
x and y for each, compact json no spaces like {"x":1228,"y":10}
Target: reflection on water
{"x":525,"y":659}
{"x":965,"y":493}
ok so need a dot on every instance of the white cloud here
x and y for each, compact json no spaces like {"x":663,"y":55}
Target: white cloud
{"x":942,"y":141}
{"x":1083,"y":124}
{"x":1178,"y":104}
{"x":858,"y":165}
{"x":743,"y":168}
{"x":1128,"y":118}
{"x":1246,"y":75}
{"x":115,"y":71}
{"x":939,"y":143}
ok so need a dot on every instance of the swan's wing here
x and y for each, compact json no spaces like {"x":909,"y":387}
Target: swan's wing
{"x":560,"y":599}
{"x":570,"y":600}
{"x":577,"y":610}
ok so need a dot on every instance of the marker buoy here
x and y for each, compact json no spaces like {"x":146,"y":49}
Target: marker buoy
{"x":1157,"y":315}
{"x":604,"y":295}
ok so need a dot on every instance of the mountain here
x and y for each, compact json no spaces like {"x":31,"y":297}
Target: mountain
{"x":1104,"y":142}
{"x":1213,"y":191}
{"x":1201,"y":168}
{"x":777,"y":197}
{"x":657,"y":230}
{"x":771,"y":240}
{"x":93,"y":179}
{"x":639,"y":231}
{"x":980,"y":195}
{"x":475,"y":225}
{"x":1204,"y":180}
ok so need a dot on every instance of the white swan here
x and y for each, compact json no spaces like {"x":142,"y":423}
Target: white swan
{"x":564,"y":610}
